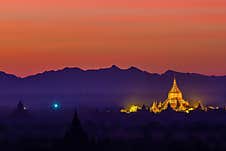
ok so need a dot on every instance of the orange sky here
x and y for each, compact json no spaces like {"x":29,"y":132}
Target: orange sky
{"x":155,"y":35}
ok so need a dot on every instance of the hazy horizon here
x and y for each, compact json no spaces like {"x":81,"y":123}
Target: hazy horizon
{"x":104,"y":67}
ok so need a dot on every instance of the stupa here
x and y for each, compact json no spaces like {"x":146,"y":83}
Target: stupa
{"x":20,"y":111}
{"x":175,"y":99}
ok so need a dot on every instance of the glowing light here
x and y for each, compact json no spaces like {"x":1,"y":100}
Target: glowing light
{"x":134,"y":108}
{"x":155,"y":108}
{"x":213,"y":108}
{"x":131,"y":109}
{"x":124,"y":111}
{"x":191,"y":109}
{"x":55,"y":106}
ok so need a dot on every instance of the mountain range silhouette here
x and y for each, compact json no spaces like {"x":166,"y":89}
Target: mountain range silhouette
{"x":113,"y":81}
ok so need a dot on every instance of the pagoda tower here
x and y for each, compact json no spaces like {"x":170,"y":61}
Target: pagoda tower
{"x":175,"y":98}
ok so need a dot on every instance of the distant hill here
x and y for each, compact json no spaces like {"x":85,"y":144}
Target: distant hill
{"x":112,"y":83}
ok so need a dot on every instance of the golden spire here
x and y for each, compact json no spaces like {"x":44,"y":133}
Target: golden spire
{"x":175,"y":88}
{"x":174,"y":82}
{"x":175,"y":97}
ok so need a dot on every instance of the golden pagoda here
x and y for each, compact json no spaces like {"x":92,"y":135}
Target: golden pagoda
{"x":175,"y":99}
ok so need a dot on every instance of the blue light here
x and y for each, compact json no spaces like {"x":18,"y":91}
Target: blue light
{"x":55,"y":106}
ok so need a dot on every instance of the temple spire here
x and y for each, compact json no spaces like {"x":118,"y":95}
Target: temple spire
{"x":175,"y":88}
{"x":175,"y":82}
{"x":175,"y":97}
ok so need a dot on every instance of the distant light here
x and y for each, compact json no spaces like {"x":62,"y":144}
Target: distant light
{"x":55,"y":106}
{"x":25,"y":108}
{"x":131,"y":109}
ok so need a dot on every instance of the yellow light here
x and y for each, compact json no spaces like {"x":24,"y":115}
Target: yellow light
{"x":191,"y":109}
{"x":123,"y":111}
{"x":211,"y":107}
{"x":134,"y":108}
{"x":131,"y":109}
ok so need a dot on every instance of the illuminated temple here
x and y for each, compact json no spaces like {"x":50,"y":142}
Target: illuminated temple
{"x":174,"y":101}
{"x":175,"y":98}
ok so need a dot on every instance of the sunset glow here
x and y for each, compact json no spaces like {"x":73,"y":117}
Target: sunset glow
{"x":182,"y":35}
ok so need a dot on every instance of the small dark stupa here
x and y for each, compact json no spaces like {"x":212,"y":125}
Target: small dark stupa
{"x":20,"y":111}
{"x":144,"y":108}
{"x":199,"y":107}
{"x":75,"y":136}
{"x":20,"y":107}
{"x":169,"y":110}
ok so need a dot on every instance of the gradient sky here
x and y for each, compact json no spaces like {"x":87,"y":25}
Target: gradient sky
{"x":155,"y":35}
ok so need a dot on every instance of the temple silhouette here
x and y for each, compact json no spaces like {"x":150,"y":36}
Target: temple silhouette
{"x":20,"y":111}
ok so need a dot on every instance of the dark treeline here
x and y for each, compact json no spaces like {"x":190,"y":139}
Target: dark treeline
{"x":176,"y":135}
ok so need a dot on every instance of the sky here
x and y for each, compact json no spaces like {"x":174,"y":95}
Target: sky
{"x":154,"y":35}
